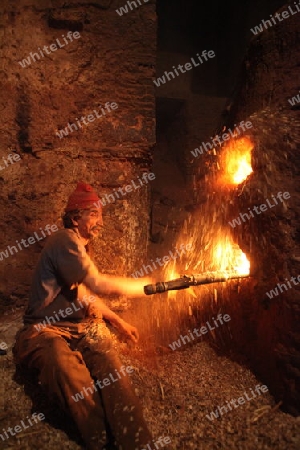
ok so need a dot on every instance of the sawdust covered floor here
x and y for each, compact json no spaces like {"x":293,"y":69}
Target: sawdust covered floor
{"x":178,"y":390}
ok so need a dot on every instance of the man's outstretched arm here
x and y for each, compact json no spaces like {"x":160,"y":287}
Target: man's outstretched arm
{"x":102,"y":284}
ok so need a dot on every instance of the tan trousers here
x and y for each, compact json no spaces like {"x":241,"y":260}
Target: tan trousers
{"x":70,"y":358}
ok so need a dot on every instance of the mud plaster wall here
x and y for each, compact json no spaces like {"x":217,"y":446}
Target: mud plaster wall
{"x":266,"y":330}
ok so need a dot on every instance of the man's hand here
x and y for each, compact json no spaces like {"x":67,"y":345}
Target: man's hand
{"x":130,"y":331}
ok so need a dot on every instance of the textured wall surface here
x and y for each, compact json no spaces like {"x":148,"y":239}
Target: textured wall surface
{"x":266,"y":330}
{"x":272,"y":240}
{"x":112,"y":60}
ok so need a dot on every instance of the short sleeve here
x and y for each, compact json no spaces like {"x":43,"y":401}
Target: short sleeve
{"x":72,"y":263}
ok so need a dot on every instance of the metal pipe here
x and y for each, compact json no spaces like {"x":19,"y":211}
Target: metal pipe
{"x":185,"y":282}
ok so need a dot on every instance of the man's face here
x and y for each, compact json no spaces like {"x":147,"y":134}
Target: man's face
{"x":90,"y":223}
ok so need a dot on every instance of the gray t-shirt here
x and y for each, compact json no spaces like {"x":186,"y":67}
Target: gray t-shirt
{"x":62,"y":266}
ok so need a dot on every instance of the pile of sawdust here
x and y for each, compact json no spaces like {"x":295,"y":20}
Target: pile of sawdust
{"x":178,"y":391}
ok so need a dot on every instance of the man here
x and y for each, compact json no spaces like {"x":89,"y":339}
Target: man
{"x":72,"y":351}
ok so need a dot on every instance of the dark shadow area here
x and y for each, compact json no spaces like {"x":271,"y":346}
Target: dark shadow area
{"x":166,"y":111}
{"x":54,"y":415}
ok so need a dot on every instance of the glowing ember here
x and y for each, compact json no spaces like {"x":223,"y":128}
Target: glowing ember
{"x":236,"y":160}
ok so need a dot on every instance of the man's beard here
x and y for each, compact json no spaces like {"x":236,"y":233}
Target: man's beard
{"x":94,"y":232}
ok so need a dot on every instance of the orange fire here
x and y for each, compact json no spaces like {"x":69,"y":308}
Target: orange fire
{"x":236,"y":161}
{"x":215,"y":250}
{"x":230,"y":259}
{"x":224,"y":258}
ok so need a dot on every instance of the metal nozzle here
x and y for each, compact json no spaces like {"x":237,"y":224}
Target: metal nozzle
{"x":194,"y":280}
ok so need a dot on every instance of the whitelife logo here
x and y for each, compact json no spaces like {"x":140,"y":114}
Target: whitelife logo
{"x":109,"y":106}
{"x":111,"y":198}
{"x":161,"y":442}
{"x":30,"y":241}
{"x":53,"y":47}
{"x":124,"y":9}
{"x":294,"y":100}
{"x":188,"y":66}
{"x":106,"y":382}
{"x":165,"y":260}
{"x":9,"y":160}
{"x":221,"y":139}
{"x":65,"y":313}
{"x":203,"y":330}
{"x":274,"y":292}
{"x":18,"y":428}
{"x":3,"y":348}
{"x":263,"y":207}
{"x":241,"y":401}
{"x":284,"y":15}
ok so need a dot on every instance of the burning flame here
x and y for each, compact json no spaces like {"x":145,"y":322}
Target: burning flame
{"x":230,"y":259}
{"x":171,"y":274}
{"x":215,"y":251}
{"x":225,"y":258}
{"x":236,"y":161}
{"x":243,"y":267}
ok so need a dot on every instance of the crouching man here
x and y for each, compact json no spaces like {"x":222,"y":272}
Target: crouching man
{"x":73,"y":351}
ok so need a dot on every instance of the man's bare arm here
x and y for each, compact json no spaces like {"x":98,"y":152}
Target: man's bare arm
{"x":107,"y":313}
{"x":102,"y":284}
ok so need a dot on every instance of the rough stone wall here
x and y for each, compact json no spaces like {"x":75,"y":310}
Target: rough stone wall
{"x":265,"y":329}
{"x":112,"y":61}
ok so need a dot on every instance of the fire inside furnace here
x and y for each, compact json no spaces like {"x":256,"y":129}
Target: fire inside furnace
{"x":215,"y":256}
{"x":235,"y":161}
{"x":229,"y":258}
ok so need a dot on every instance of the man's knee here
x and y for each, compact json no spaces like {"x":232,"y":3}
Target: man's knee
{"x":55,"y":351}
{"x":50,"y":350}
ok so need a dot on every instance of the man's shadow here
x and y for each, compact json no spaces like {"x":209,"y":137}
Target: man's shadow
{"x":54,"y":414}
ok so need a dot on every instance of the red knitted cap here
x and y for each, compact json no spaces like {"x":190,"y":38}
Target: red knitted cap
{"x":83,"y":197}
